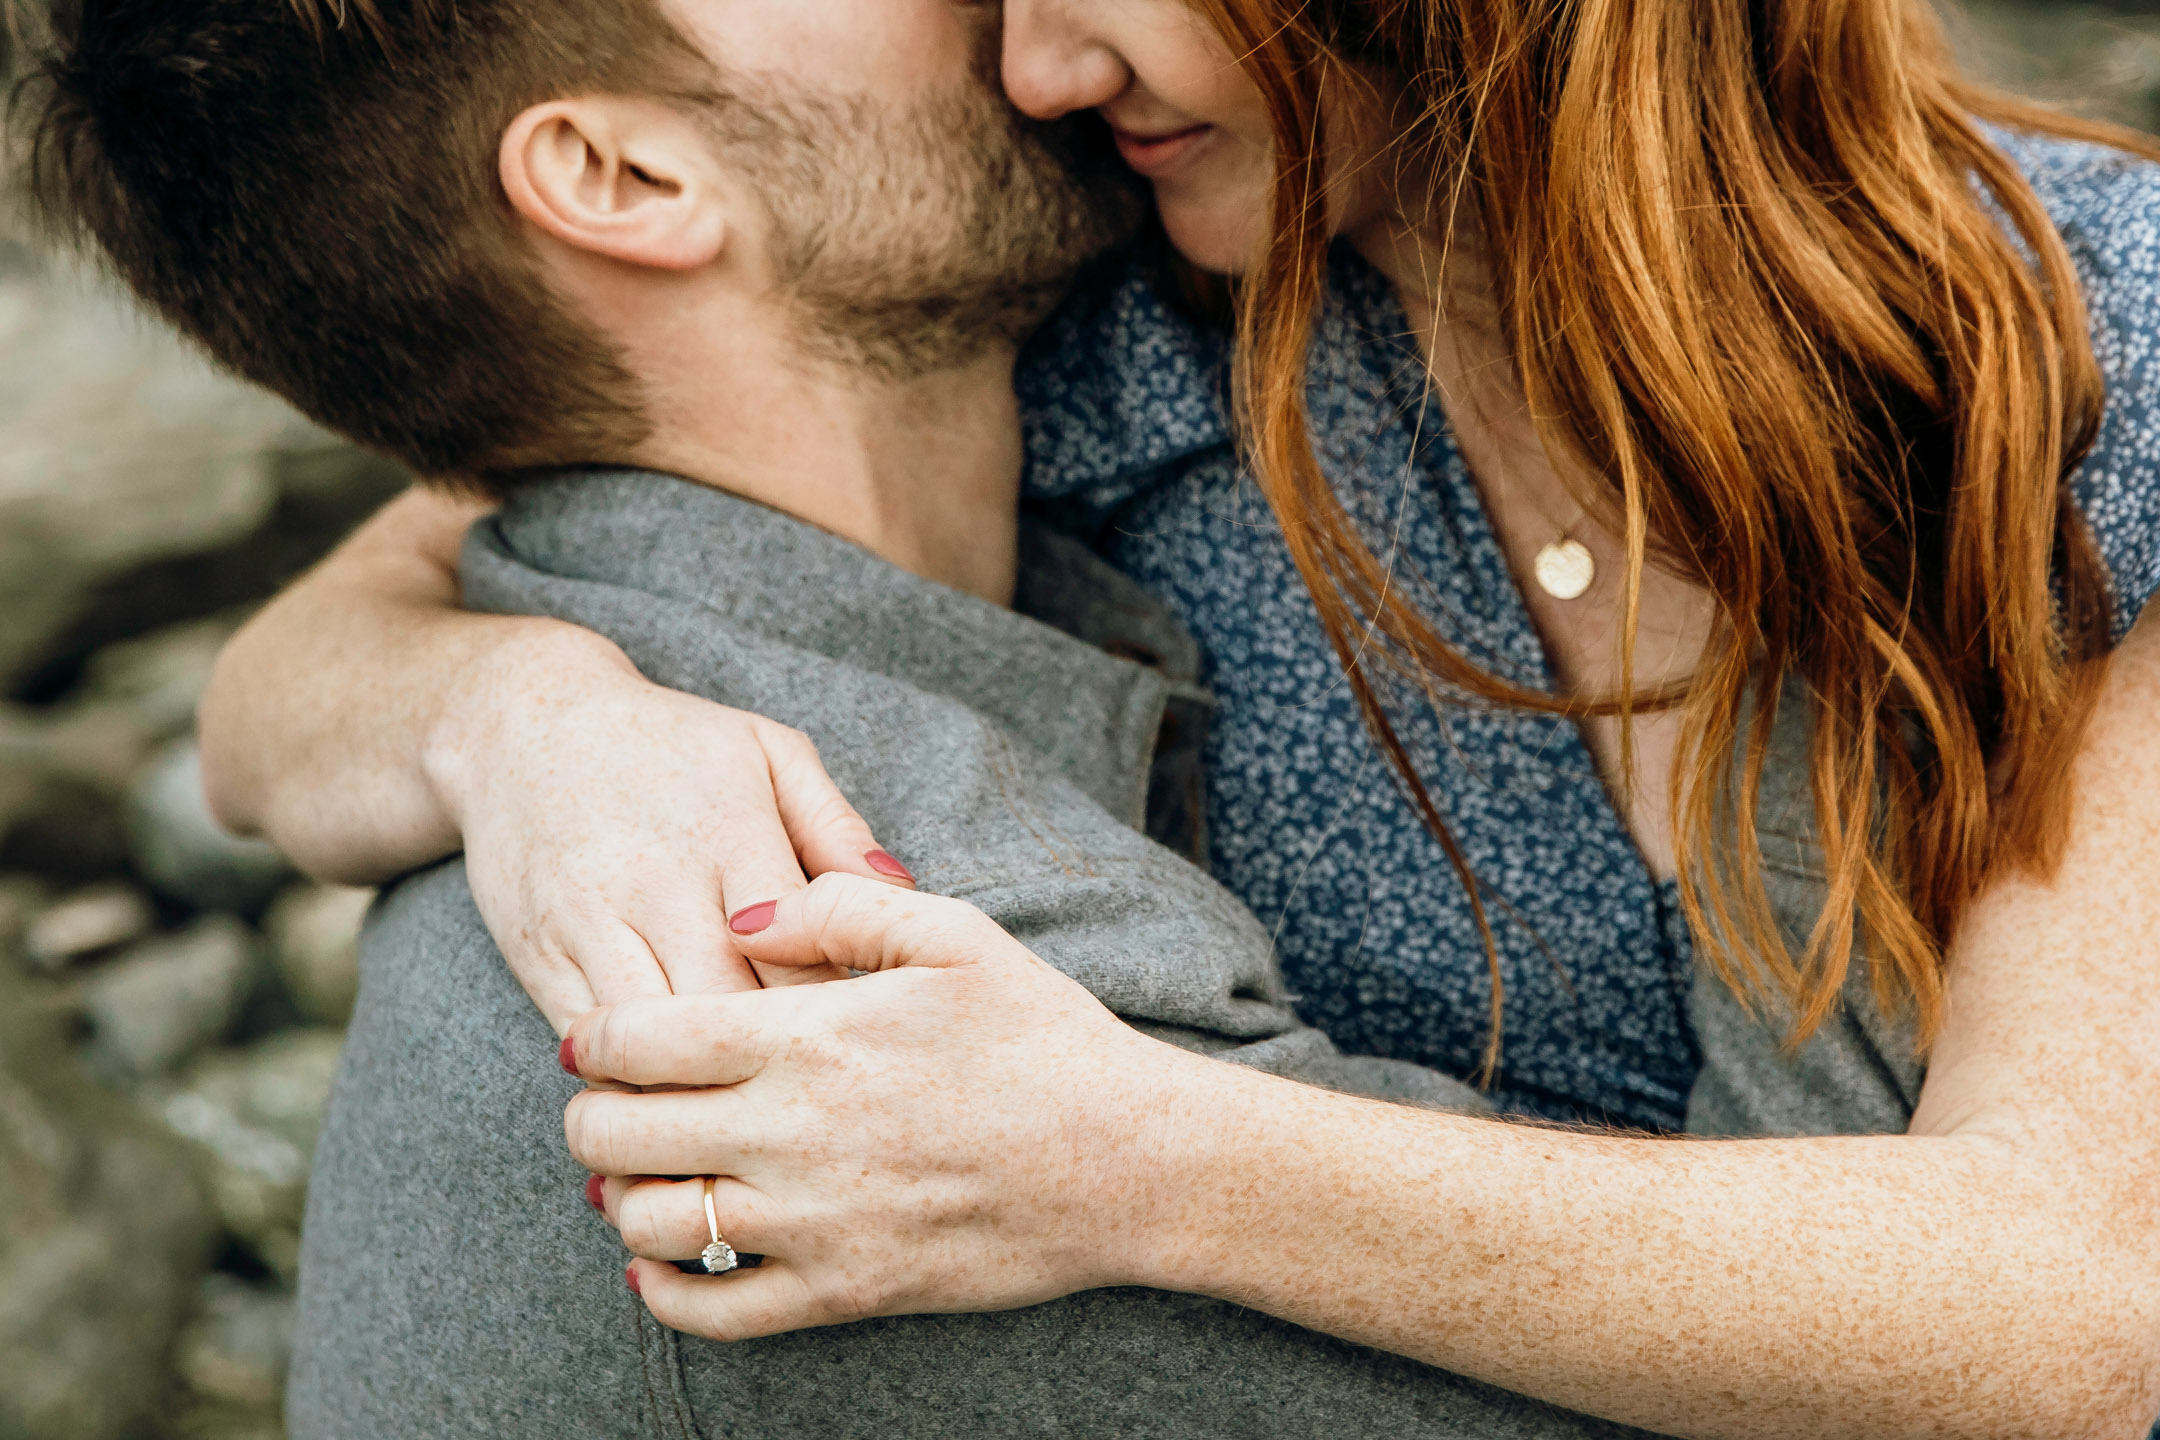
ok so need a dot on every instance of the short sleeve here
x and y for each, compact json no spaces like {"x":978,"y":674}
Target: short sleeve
{"x":2106,"y":204}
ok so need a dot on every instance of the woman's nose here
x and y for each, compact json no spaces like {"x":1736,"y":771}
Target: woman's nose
{"x":1056,"y":62}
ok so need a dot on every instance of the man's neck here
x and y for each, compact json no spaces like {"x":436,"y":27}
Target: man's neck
{"x":923,"y":472}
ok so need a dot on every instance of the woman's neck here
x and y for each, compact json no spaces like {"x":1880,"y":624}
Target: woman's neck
{"x":1531,"y":499}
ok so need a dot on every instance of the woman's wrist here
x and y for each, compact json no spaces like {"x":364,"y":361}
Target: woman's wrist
{"x":529,"y":669}
{"x":1200,"y":1148}
{"x":1254,"y":1176}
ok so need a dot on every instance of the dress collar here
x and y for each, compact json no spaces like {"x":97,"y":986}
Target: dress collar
{"x":1117,"y":388}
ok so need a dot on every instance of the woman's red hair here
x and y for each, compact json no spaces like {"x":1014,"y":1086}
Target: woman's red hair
{"x":1765,"y":278}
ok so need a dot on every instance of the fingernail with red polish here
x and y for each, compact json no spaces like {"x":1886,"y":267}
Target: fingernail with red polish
{"x":753,"y":918}
{"x":594,"y":1186}
{"x":630,"y":1275}
{"x":884,"y":864}
{"x":568,"y":1055}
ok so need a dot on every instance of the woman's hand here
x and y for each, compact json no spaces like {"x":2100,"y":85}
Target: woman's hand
{"x":611,"y":825}
{"x":369,"y":725}
{"x":996,"y":1143}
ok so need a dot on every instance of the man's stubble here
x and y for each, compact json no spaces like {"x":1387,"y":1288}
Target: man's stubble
{"x":911,"y":241}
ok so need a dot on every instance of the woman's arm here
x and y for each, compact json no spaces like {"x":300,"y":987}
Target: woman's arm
{"x":368,"y":725}
{"x":332,"y":725}
{"x":1997,"y":1272}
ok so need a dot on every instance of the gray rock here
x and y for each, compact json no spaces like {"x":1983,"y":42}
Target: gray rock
{"x":22,"y":899}
{"x":105,"y":1232}
{"x":98,"y":745}
{"x":197,"y":1419}
{"x":85,"y":923}
{"x":160,"y":677}
{"x":257,"y":1113}
{"x":181,"y":849}
{"x":314,"y":933}
{"x":61,"y":776}
{"x":121,"y":447}
{"x":66,"y":831}
{"x":236,"y":1350}
{"x":164,"y":1000}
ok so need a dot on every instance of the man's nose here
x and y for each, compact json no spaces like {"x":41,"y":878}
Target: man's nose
{"x":1055,"y":63}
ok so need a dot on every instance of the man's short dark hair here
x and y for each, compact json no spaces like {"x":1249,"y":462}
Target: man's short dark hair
{"x":309,"y":188}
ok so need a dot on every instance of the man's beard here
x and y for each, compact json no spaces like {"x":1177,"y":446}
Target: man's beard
{"x":913,"y":242}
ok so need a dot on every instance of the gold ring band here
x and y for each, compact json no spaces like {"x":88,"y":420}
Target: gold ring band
{"x":719,"y":1256}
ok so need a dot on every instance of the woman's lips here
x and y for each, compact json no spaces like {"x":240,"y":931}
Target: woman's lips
{"x":1157,"y":155}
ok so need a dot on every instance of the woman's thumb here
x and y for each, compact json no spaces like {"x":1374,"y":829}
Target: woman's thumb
{"x":863,"y":925}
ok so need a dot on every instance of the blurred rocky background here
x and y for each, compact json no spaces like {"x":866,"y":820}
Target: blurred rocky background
{"x":170,"y":998}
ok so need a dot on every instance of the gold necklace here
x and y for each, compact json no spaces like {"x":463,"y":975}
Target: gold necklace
{"x":1565,"y":568}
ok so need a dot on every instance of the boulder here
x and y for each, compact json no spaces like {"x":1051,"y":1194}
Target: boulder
{"x":179,"y":847}
{"x":257,"y":1112}
{"x":235,"y":1352}
{"x":164,"y":1000}
{"x":121,"y":447}
{"x":314,"y":933}
{"x":22,"y":899}
{"x":2100,"y":60}
{"x":213,"y":1420}
{"x":92,"y":920}
{"x":65,"y":768}
{"x":159,"y":678}
{"x":105,"y":1232}
{"x":61,"y":777}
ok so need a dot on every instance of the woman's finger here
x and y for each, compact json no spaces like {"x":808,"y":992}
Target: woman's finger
{"x":583,"y":963}
{"x":862,"y":925}
{"x":689,"y":935}
{"x":741,"y":1305}
{"x":670,"y":1132}
{"x":830,"y":836}
{"x":757,"y":864}
{"x":557,"y":988}
{"x":804,"y":824}
{"x":665,"y":1219}
{"x":678,"y":1040}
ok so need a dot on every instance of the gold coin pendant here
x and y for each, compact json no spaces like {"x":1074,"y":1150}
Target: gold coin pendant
{"x":1565,"y":569}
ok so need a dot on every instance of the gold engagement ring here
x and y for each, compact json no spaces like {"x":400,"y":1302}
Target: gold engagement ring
{"x":719,"y":1256}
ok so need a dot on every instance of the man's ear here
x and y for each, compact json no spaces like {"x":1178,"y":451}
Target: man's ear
{"x":629,"y":179}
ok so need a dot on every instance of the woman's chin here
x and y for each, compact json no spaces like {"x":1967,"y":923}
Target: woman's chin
{"x":1217,"y":238}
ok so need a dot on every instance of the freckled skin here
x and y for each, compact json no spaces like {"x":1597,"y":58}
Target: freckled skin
{"x":965,"y":1129}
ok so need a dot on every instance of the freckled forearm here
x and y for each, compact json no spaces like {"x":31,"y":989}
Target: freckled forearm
{"x":334,"y":715}
{"x":1866,"y":1287}
{"x":1995,"y":1273}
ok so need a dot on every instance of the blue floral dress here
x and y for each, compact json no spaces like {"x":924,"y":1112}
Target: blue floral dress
{"x":1129,"y":445}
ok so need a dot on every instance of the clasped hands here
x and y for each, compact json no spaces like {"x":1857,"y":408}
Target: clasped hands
{"x":958,"y":1128}
{"x":955,"y":1129}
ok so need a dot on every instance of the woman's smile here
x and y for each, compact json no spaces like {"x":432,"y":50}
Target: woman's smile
{"x":1160,"y":155}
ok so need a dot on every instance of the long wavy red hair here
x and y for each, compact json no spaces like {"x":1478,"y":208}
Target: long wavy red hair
{"x":1765,"y":278}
